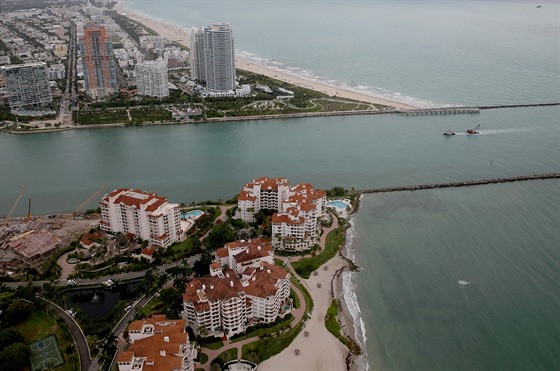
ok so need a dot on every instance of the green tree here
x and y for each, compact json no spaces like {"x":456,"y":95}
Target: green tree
{"x":220,"y":235}
{"x":17,"y":312}
{"x":14,"y":357}
{"x":10,"y":336}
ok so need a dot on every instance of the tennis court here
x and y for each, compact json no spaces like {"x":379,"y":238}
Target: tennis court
{"x":45,"y":354}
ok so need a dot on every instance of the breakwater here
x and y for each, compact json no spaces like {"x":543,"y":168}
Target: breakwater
{"x":467,"y":183}
{"x":462,"y":110}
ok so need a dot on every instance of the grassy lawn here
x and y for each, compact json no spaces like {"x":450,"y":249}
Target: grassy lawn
{"x":262,"y":331}
{"x":295,"y":298}
{"x":228,"y":355}
{"x":306,"y":295}
{"x":98,"y":116}
{"x":153,"y":306}
{"x":149,"y":114}
{"x":263,"y":349}
{"x":39,"y":325}
{"x":202,"y":358}
{"x":214,"y":346}
{"x":335,"y":239}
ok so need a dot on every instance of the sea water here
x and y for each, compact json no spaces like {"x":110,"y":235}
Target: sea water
{"x":413,"y":248}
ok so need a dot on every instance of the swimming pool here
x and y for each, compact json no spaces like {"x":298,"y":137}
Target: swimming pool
{"x":193,"y":214}
{"x":338,"y":204}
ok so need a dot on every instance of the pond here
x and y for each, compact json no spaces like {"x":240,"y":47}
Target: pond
{"x":97,"y":303}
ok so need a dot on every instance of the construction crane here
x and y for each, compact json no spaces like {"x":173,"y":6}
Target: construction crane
{"x":18,"y":199}
{"x":89,"y":199}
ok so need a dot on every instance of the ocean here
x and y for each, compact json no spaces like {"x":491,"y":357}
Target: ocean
{"x":413,"y":248}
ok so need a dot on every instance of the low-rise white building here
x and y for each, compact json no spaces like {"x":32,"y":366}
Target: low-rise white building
{"x":144,"y":215}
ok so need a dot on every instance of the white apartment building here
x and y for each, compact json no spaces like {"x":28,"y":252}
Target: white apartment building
{"x":213,"y":56}
{"x":152,"y":78}
{"x":261,"y":194}
{"x":253,"y":291}
{"x":144,"y":215}
{"x":27,"y":84}
{"x":295,"y":226}
{"x":157,"y":343}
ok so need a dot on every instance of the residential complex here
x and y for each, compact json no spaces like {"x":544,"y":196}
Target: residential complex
{"x":213,"y":57}
{"x":245,"y":288}
{"x":99,"y":67}
{"x":157,"y":343}
{"x":144,"y":215}
{"x":27,"y":84}
{"x":295,"y":225}
{"x":151,"y":79}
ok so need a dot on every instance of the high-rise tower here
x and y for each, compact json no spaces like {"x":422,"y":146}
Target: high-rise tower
{"x":100,"y":72}
{"x":27,"y":84}
{"x":213,"y":56}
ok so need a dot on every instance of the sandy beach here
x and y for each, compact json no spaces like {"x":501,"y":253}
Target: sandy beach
{"x":320,"y":350}
{"x":179,"y":35}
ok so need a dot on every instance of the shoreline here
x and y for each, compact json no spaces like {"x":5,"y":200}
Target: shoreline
{"x":177,"y":34}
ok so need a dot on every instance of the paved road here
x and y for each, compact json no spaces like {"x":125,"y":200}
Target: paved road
{"x":77,"y":334}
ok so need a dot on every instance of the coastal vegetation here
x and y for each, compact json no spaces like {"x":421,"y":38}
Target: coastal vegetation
{"x":335,"y":240}
{"x":332,"y":324}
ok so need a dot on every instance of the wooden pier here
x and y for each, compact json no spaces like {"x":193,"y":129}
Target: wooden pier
{"x":468,"y":183}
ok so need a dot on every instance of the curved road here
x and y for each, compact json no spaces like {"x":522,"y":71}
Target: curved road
{"x":77,"y":334}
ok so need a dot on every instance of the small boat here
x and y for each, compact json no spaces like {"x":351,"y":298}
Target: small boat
{"x":463,"y":282}
{"x":95,"y":298}
{"x":539,"y":6}
{"x":473,"y":131}
{"x":448,"y":132}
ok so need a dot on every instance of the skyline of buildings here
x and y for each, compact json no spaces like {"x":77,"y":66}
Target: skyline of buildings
{"x":213,"y":57}
{"x":27,"y":84}
{"x":99,"y":67}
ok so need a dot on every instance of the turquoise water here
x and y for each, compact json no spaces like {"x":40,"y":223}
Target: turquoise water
{"x":192,"y":214}
{"x":413,"y":247}
{"x":433,"y":52}
{"x":337,"y":204}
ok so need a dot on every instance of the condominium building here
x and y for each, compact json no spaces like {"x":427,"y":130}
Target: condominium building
{"x":144,"y":215}
{"x":250,"y":291}
{"x":261,"y":194}
{"x":99,"y":67}
{"x":295,"y":225}
{"x":213,"y":57}
{"x":27,"y":84}
{"x":151,"y":78}
{"x":158,"y":343}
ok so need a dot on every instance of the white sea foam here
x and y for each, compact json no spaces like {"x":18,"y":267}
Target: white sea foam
{"x":352,"y":86}
{"x":351,"y":300}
